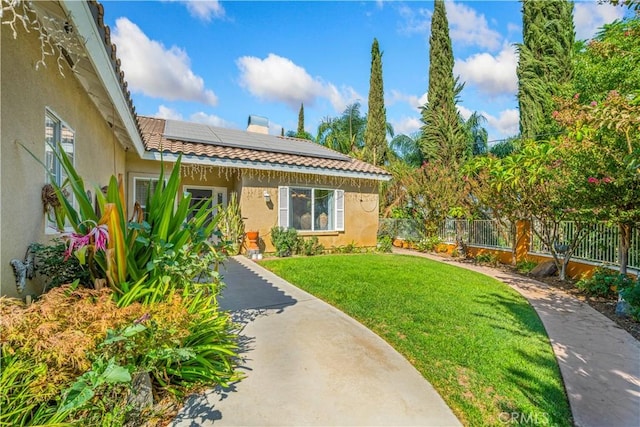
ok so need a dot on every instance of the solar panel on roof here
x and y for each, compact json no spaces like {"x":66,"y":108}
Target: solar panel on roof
{"x":205,"y":134}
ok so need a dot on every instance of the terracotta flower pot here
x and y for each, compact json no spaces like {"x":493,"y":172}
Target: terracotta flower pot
{"x":252,"y":236}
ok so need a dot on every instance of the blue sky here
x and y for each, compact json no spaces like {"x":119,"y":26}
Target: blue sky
{"x":218,"y":62}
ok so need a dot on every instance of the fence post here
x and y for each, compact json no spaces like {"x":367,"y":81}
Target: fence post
{"x":523,"y":239}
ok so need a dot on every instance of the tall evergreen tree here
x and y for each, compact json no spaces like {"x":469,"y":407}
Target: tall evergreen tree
{"x":301,"y":120}
{"x":443,"y":135}
{"x":545,"y":63}
{"x":300,"y":133}
{"x":375,"y":135}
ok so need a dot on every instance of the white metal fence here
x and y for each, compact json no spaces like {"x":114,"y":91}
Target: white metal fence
{"x":480,"y":233}
{"x":599,"y":246}
{"x":403,"y":228}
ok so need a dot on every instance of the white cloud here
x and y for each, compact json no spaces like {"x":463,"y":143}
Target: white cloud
{"x":464,"y":112}
{"x":279,"y":79}
{"x":414,"y":101}
{"x":514,"y":29}
{"x":588,"y":17}
{"x":155,"y":71}
{"x":507,"y":123}
{"x":340,"y":98}
{"x":167,"y":113}
{"x":414,"y":21}
{"x":210,"y":119}
{"x":469,"y":28}
{"x":406,"y":125}
{"x":492,"y":75}
{"x":205,"y":9}
{"x":466,"y":25}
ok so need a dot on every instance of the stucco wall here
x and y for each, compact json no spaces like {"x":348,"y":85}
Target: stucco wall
{"x":25,"y":95}
{"x":137,"y":167}
{"x":360,"y":211}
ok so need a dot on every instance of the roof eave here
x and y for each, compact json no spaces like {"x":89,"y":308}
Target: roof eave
{"x":85,"y":24}
{"x":265,"y":166}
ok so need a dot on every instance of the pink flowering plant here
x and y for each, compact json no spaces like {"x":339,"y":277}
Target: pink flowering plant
{"x":131,"y":255}
{"x":85,"y":246}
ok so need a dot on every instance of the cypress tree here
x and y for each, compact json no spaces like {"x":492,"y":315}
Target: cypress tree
{"x":443,"y":137}
{"x":375,"y":135}
{"x":544,"y":65}
{"x":301,"y":131}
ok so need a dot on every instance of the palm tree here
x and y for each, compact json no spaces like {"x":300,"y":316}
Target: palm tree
{"x":476,"y":133}
{"x":406,"y":149}
{"x":345,"y":133}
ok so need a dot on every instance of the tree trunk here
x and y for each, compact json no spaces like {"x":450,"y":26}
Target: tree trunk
{"x":565,"y":262}
{"x":622,"y":307}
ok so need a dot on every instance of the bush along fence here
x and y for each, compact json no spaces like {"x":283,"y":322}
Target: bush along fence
{"x":588,"y":246}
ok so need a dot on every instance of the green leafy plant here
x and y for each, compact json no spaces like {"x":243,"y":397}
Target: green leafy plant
{"x":232,"y":225}
{"x":487,"y":258}
{"x":428,"y":244}
{"x":312,"y":246}
{"x":285,"y":240}
{"x":525,"y":266}
{"x":630,"y":292}
{"x":20,"y":400}
{"x":349,"y":248}
{"x":604,"y":283}
{"x":51,"y":262}
{"x":385,"y":244}
{"x":84,"y":388}
{"x":129,"y":261}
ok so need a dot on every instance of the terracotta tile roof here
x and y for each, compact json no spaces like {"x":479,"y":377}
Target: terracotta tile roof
{"x":153,"y":136}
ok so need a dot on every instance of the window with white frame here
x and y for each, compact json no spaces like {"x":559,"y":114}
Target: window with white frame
{"x":143,"y":188}
{"x":311,"y":209}
{"x":59,"y":137}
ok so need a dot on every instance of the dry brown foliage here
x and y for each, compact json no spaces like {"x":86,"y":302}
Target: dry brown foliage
{"x":65,"y":326}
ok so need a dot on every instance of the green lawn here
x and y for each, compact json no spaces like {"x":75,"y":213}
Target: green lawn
{"x":477,"y":341}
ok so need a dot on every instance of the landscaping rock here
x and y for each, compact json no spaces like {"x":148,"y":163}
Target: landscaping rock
{"x":141,"y":397}
{"x":544,"y":269}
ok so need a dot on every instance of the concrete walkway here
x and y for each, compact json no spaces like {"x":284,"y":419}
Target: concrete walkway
{"x":308,"y":364}
{"x":599,"y":361}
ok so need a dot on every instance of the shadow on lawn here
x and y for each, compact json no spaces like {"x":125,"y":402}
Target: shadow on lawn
{"x":525,"y":321}
{"x":546,"y":395}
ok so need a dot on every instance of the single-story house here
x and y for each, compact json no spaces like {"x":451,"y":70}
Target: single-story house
{"x":79,"y":99}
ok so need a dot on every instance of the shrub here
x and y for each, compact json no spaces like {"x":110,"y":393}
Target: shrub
{"x":232,"y":224}
{"x":630,"y":292}
{"x":50,"y":262}
{"x":525,"y":266}
{"x":20,"y":401}
{"x":169,"y":224}
{"x":385,"y":244}
{"x":428,"y":244}
{"x":82,"y":350}
{"x":487,"y":258}
{"x":285,"y":240}
{"x":312,"y":246}
{"x":348,"y":248}
{"x":603,"y":283}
